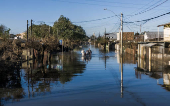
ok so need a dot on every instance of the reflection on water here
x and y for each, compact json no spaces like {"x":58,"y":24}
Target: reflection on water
{"x":86,"y":58}
{"x":104,"y":78}
{"x":156,"y":69}
{"x":38,"y":76}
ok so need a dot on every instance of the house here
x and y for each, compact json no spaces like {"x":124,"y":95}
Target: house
{"x":166,"y":31}
{"x":139,"y":38}
{"x":17,"y":37}
{"x":22,"y":35}
{"x":127,"y":36}
{"x":149,"y":53}
{"x":153,"y":36}
{"x":111,"y":36}
{"x":11,"y":36}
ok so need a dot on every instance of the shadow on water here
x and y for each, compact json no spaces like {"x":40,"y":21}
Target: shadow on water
{"x":37,"y":76}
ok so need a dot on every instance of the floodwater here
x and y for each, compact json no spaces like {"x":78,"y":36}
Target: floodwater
{"x":69,"y":79}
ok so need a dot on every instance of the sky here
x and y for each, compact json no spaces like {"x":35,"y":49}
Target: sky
{"x":89,"y":14}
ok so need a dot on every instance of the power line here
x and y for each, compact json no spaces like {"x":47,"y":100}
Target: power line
{"x":151,"y":8}
{"x":142,"y":7}
{"x":102,"y":25}
{"x":77,"y":22}
{"x":115,"y":2}
{"x":130,"y":28}
{"x":146,"y":20}
{"x":155,"y":13}
{"x":116,"y":29}
{"x":92,"y":4}
{"x":147,"y":9}
{"x":94,"y":20}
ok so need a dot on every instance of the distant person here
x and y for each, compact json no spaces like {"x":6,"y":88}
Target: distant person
{"x":83,"y":52}
{"x":89,"y":52}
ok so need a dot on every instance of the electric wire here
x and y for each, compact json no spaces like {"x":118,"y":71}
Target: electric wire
{"x":115,"y":2}
{"x":146,"y":20}
{"x":92,"y":4}
{"x":147,"y":9}
{"x":94,"y":20}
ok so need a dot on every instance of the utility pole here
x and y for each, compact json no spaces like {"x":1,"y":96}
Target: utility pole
{"x":27,"y":30}
{"x":140,"y":29}
{"x":31,"y":28}
{"x":121,"y":55}
{"x":121,"y":34}
{"x":158,"y":34}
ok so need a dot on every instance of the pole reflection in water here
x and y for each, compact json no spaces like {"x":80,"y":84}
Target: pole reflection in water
{"x":121,"y":59}
{"x":121,"y":76}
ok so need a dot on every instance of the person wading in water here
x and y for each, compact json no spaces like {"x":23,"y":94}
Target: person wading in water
{"x":83,"y":52}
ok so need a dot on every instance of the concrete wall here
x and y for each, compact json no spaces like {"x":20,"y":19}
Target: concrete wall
{"x":166,"y":34}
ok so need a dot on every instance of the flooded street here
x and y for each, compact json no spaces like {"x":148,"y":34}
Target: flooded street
{"x":67,"y":78}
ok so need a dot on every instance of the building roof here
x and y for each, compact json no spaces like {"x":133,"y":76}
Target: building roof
{"x":163,"y":24}
{"x":111,"y":35}
{"x":152,"y":44}
{"x":152,"y":35}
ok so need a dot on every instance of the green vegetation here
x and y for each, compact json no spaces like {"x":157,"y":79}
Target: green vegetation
{"x":101,"y":40}
{"x":4,"y":32}
{"x":41,"y":31}
{"x":62,"y":29}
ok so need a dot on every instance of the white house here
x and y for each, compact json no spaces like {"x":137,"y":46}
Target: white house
{"x":111,"y":36}
{"x":118,"y":36}
{"x":152,"y":36}
{"x":17,"y":37}
{"x":166,"y":31}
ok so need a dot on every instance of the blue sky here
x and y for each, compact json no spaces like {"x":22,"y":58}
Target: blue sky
{"x":15,"y":13}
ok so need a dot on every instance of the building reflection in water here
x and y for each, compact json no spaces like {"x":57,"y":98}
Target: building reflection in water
{"x":153,"y":60}
{"x":39,"y":74}
{"x":127,"y":58}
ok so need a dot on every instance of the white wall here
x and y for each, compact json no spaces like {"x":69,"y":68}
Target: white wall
{"x":166,"y":34}
{"x":118,"y":36}
{"x":145,"y":37}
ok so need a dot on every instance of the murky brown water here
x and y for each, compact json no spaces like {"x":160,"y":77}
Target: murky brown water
{"x":70,"y":79}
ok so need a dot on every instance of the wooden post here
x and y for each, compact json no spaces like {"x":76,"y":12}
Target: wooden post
{"x":158,"y":34}
{"x":31,"y":28}
{"x":150,"y":59}
{"x":27,"y":30}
